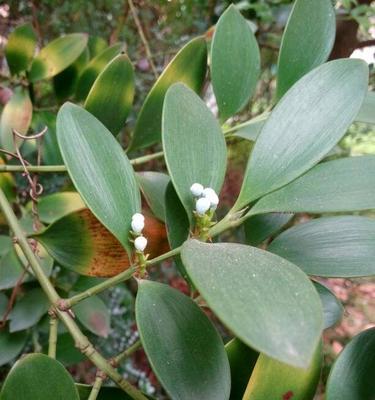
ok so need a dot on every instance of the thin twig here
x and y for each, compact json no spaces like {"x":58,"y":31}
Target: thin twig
{"x":97,"y":386}
{"x":127,"y":353}
{"x":52,"y":340}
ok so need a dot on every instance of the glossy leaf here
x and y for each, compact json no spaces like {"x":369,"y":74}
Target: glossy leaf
{"x":20,"y":48}
{"x":11,"y":345}
{"x":267,"y":302}
{"x":27,"y":380}
{"x":17,"y":115}
{"x":260,"y":227}
{"x":111,"y":96}
{"x":307,"y":41}
{"x":235,"y":63}
{"x":242,"y":360}
{"x":96,"y":45}
{"x":93,"y":69}
{"x":57,"y":56}
{"x":82,"y":244}
{"x":93,"y":315}
{"x":304,"y":127}
{"x":57,"y":205}
{"x":99,"y":169}
{"x":189,"y":67}
{"x":352,"y":375}
{"x":194,"y":146}
{"x":367,"y":112}
{"x":347,"y":184}
{"x":335,"y":246}
{"x":184,"y":349}
{"x":272,"y":379}
{"x":153,"y":186}
{"x":332,"y":308}
{"x":28,"y":310}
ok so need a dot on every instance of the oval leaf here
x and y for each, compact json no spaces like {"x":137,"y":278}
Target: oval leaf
{"x":57,"y":56}
{"x":235,"y":63}
{"x":111,"y":96}
{"x":183,"y":347}
{"x":20,"y":48}
{"x":27,"y":380}
{"x":99,"y":169}
{"x":189,"y":67}
{"x":332,"y":308}
{"x":265,"y":300}
{"x":352,"y":375}
{"x":304,"y":126}
{"x":17,"y":115}
{"x":307,"y":41}
{"x":272,"y":379}
{"x":347,"y":184}
{"x":367,"y":112}
{"x":11,"y":345}
{"x":332,"y":247}
{"x":194,"y":146}
{"x":93,"y":69}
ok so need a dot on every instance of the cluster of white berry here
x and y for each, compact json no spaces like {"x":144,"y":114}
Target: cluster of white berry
{"x":138,"y":223}
{"x":207,"y":199}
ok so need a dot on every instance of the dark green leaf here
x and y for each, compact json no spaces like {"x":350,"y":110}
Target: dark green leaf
{"x":20,"y":48}
{"x":304,"y":126}
{"x":235,"y":63}
{"x":57,"y":56}
{"x":367,"y":112}
{"x":96,"y":45}
{"x":332,"y":308}
{"x":347,"y":184}
{"x":99,"y":169}
{"x":66,"y":351}
{"x":11,"y":344}
{"x":307,"y":41}
{"x":5,"y":245}
{"x":189,"y":67}
{"x":106,"y":393}
{"x":194,"y":146}
{"x":38,"y":377}
{"x":154,"y":186}
{"x":352,"y":375}
{"x":268,"y":303}
{"x":184,"y":349}
{"x":111,"y":96}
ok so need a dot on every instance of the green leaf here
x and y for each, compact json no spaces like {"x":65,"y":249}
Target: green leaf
{"x":93,"y":315}
{"x":194,"y":146}
{"x":307,"y":41}
{"x":17,"y":115}
{"x":11,"y":345}
{"x":3,"y":304}
{"x":184,"y":349}
{"x":96,"y":45}
{"x":272,"y":379}
{"x":57,"y":205}
{"x":66,"y":352}
{"x":260,"y":227}
{"x":304,"y":126}
{"x":261,"y":297}
{"x":242,"y":361}
{"x":334,"y":246}
{"x":367,"y":112}
{"x":189,"y":67}
{"x":332,"y":308}
{"x":5,"y":245}
{"x":37,"y":377}
{"x":99,"y":169}
{"x":93,"y":69}
{"x":20,"y":48}
{"x":235,"y":63}
{"x":347,"y":184}
{"x":111,"y":96}
{"x":28,"y":310}
{"x":105,"y":393}
{"x":352,"y":375}
{"x":153,"y":186}
{"x":251,"y":129}
{"x":57,"y":56}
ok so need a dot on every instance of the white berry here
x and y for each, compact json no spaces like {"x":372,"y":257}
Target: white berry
{"x":211,"y":195}
{"x":140,"y":243}
{"x":196,"y":189}
{"x":137,"y":225}
{"x":138,"y":217}
{"x":202,"y":205}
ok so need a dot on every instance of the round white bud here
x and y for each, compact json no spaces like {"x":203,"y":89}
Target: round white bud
{"x":196,"y":189}
{"x":211,"y":195}
{"x":138,"y":217}
{"x":140,"y":243}
{"x":137,"y":225}
{"x":202,"y":205}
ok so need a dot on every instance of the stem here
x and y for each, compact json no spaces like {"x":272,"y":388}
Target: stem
{"x":164,"y":256}
{"x":123,"y":276}
{"x":81,"y":340}
{"x":258,"y":118}
{"x":128,"y":352}
{"x":52,"y":341}
{"x":96,"y":388}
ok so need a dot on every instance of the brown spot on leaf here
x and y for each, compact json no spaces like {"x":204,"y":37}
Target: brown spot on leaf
{"x":288,"y":395}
